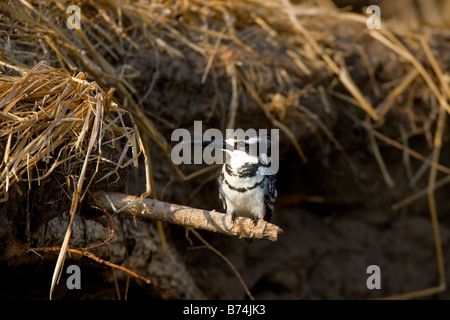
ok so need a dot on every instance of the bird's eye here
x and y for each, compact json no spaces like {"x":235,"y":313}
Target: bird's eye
{"x":240,"y":145}
{"x":247,"y":147}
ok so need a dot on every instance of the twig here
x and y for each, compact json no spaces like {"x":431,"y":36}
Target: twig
{"x":210,"y":247}
{"x":376,"y":152}
{"x":186,"y":216}
{"x":105,"y":262}
{"x":76,"y":197}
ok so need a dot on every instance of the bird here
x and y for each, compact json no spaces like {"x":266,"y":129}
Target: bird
{"x":246,"y":182}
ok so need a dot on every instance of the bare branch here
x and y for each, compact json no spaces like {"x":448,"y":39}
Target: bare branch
{"x":186,"y":216}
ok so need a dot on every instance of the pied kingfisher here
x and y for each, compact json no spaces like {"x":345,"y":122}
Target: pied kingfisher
{"x":246,"y":183}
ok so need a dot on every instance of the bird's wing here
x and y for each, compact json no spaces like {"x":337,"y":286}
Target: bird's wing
{"x":269,"y":196}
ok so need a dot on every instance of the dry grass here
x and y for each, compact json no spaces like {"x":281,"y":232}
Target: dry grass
{"x":51,"y":121}
{"x":47,"y":117}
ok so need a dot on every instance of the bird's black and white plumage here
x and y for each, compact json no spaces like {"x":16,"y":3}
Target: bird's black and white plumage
{"x":246,"y":183}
